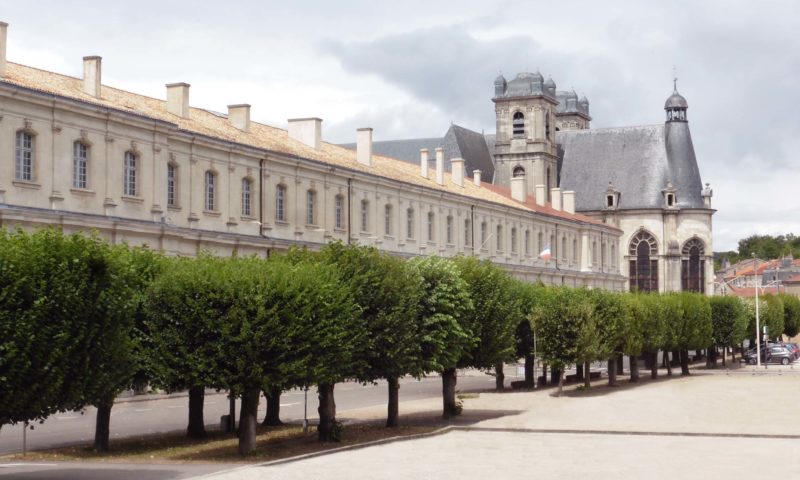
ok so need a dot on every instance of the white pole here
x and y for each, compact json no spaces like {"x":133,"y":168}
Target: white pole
{"x":24,"y":439}
{"x":758,"y":325}
{"x":305,"y":410}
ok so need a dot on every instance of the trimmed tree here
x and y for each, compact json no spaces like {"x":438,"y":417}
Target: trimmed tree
{"x":791,"y":315}
{"x":729,"y":322}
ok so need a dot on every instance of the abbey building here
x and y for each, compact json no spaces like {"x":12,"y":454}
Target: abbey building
{"x":84,"y":156}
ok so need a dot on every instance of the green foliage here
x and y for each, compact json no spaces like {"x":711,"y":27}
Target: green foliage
{"x":768,"y":247}
{"x":772,"y":315}
{"x":612,"y":322}
{"x":791,"y":314}
{"x":445,"y":304}
{"x":650,"y":311}
{"x":497,"y":312}
{"x":693,"y":326}
{"x":559,"y":320}
{"x":729,"y":321}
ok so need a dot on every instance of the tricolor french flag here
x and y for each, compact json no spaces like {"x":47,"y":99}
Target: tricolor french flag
{"x":545,"y":255}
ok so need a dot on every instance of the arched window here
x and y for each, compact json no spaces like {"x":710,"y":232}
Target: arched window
{"x":483,"y":235}
{"x":513,"y":239}
{"x":693,"y":266}
{"x":499,"y":236}
{"x":280,"y":203}
{"x":24,"y":165}
{"x":339,"y":212}
{"x":527,"y":242}
{"x":247,"y":197}
{"x":80,"y":164}
{"x":129,"y":174}
{"x":518,"y":172}
{"x":449,"y":230}
{"x":431,"y":229}
{"x":539,"y":246}
{"x":387,"y":219}
{"x":547,"y":125}
{"x":518,"y":124}
{"x":575,"y":250}
{"x":172,"y":185}
{"x":643,"y":266}
{"x":211,"y":191}
{"x":563,"y":252}
{"x":311,"y":207}
{"x":364,"y":215}
{"x":410,"y":223}
{"x":467,"y":233}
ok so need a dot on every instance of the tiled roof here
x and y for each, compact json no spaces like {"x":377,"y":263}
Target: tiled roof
{"x":260,"y":136}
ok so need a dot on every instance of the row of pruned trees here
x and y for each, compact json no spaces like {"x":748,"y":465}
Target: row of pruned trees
{"x":81,"y":321}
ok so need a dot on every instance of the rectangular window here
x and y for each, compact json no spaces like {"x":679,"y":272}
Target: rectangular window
{"x":387,"y":220}
{"x":311,"y":199}
{"x":467,"y":233}
{"x":280,"y":203}
{"x":430,"y":226}
{"x":514,"y":240}
{"x":483,"y":235}
{"x":80,"y":157}
{"x":210,"y":191}
{"x":499,"y":238}
{"x":339,"y":207}
{"x":247,"y":198}
{"x":129,"y":175}
{"x":172,"y":177}
{"x":410,"y":223}
{"x":527,"y":242}
{"x":449,"y":235}
{"x":24,"y":163}
{"x":364,"y":216}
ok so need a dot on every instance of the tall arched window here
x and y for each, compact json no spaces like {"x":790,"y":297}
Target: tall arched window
{"x":499,"y":235}
{"x":410,"y":223}
{"x":387,"y":219}
{"x":467,"y":232}
{"x":693,"y":266}
{"x":643,"y":264}
{"x":280,"y":203}
{"x":129,"y":174}
{"x":513,"y":239}
{"x":483,"y":235}
{"x":527,"y":242}
{"x":518,"y":124}
{"x":449,"y":230}
{"x":548,"y":185}
{"x":431,"y":226}
{"x":339,"y":212}
{"x":247,"y":197}
{"x":364,"y":215}
{"x":311,"y":207}
{"x":80,"y":165}
{"x":211,"y":191}
{"x":24,"y":165}
{"x":172,"y":185}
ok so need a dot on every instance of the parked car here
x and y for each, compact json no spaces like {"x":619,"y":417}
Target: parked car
{"x":794,"y":349}
{"x":771,"y":354}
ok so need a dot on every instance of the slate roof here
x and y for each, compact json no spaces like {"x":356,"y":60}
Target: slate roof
{"x":638,"y":161}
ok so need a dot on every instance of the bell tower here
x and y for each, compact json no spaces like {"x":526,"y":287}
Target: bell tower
{"x":525,"y":144}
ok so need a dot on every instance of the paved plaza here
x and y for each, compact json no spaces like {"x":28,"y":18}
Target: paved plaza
{"x":711,"y":425}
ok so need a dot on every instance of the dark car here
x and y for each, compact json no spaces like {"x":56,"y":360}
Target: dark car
{"x":771,"y":354}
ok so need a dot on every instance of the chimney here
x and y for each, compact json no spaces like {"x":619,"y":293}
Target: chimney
{"x":178,"y":99}
{"x":555,"y":198}
{"x":541,"y":195}
{"x":3,"y":43}
{"x":518,"y":188}
{"x":364,"y":146}
{"x":423,"y":162}
{"x":476,"y":177}
{"x":91,"y":75}
{"x":568,"y":199}
{"x":239,"y":116}
{"x":306,"y":130}
{"x":457,"y":171}
{"x":440,"y":166}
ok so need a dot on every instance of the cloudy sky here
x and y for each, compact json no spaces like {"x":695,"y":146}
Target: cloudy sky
{"x":409,"y":68}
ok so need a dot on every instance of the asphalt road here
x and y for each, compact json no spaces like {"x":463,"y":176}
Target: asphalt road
{"x":133,"y":418}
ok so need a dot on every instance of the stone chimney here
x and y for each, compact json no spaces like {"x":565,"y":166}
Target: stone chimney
{"x":476,"y":177}
{"x":306,"y":130}
{"x":518,"y":188}
{"x":178,"y":99}
{"x":440,"y":166}
{"x":555,"y":198}
{"x":239,"y":116}
{"x":423,"y":162}
{"x":92,"y":75}
{"x":3,"y":43}
{"x":568,"y":199}
{"x":541,"y":195}
{"x":457,"y":171}
{"x":364,"y":146}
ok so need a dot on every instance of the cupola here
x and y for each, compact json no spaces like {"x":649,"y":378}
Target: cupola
{"x":676,"y":105}
{"x":500,"y":85}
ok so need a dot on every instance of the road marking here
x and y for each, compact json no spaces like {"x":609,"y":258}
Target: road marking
{"x":211,"y":403}
{"x":289,"y":404}
{"x":176,"y":406}
{"x":67,"y":418}
{"x":12,"y":465}
{"x":140,"y":410}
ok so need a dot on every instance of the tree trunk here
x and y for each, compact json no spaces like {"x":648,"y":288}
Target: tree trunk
{"x":273,"y":415}
{"x":676,"y":355}
{"x":197,"y":426}
{"x":555,"y":374}
{"x":394,"y":401}
{"x":103,"y":425}
{"x":327,"y":412}
{"x":587,"y":374}
{"x":529,"y":373}
{"x":612,"y":371}
{"x":724,"y":352}
{"x":560,"y":372}
{"x":684,"y":362}
{"x":449,"y":379}
{"x":544,"y":375}
{"x":579,"y":372}
{"x":620,"y":364}
{"x":248,"y":421}
{"x":668,"y":362}
{"x":634,"y":361}
{"x":654,"y":365}
{"x":500,"y":376}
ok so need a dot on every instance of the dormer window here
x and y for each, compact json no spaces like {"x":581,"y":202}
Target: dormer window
{"x":518,"y":172}
{"x":670,"y":199}
{"x":610,"y":201}
{"x":518,"y":124}
{"x":670,"y":196}
{"x":612,"y":198}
